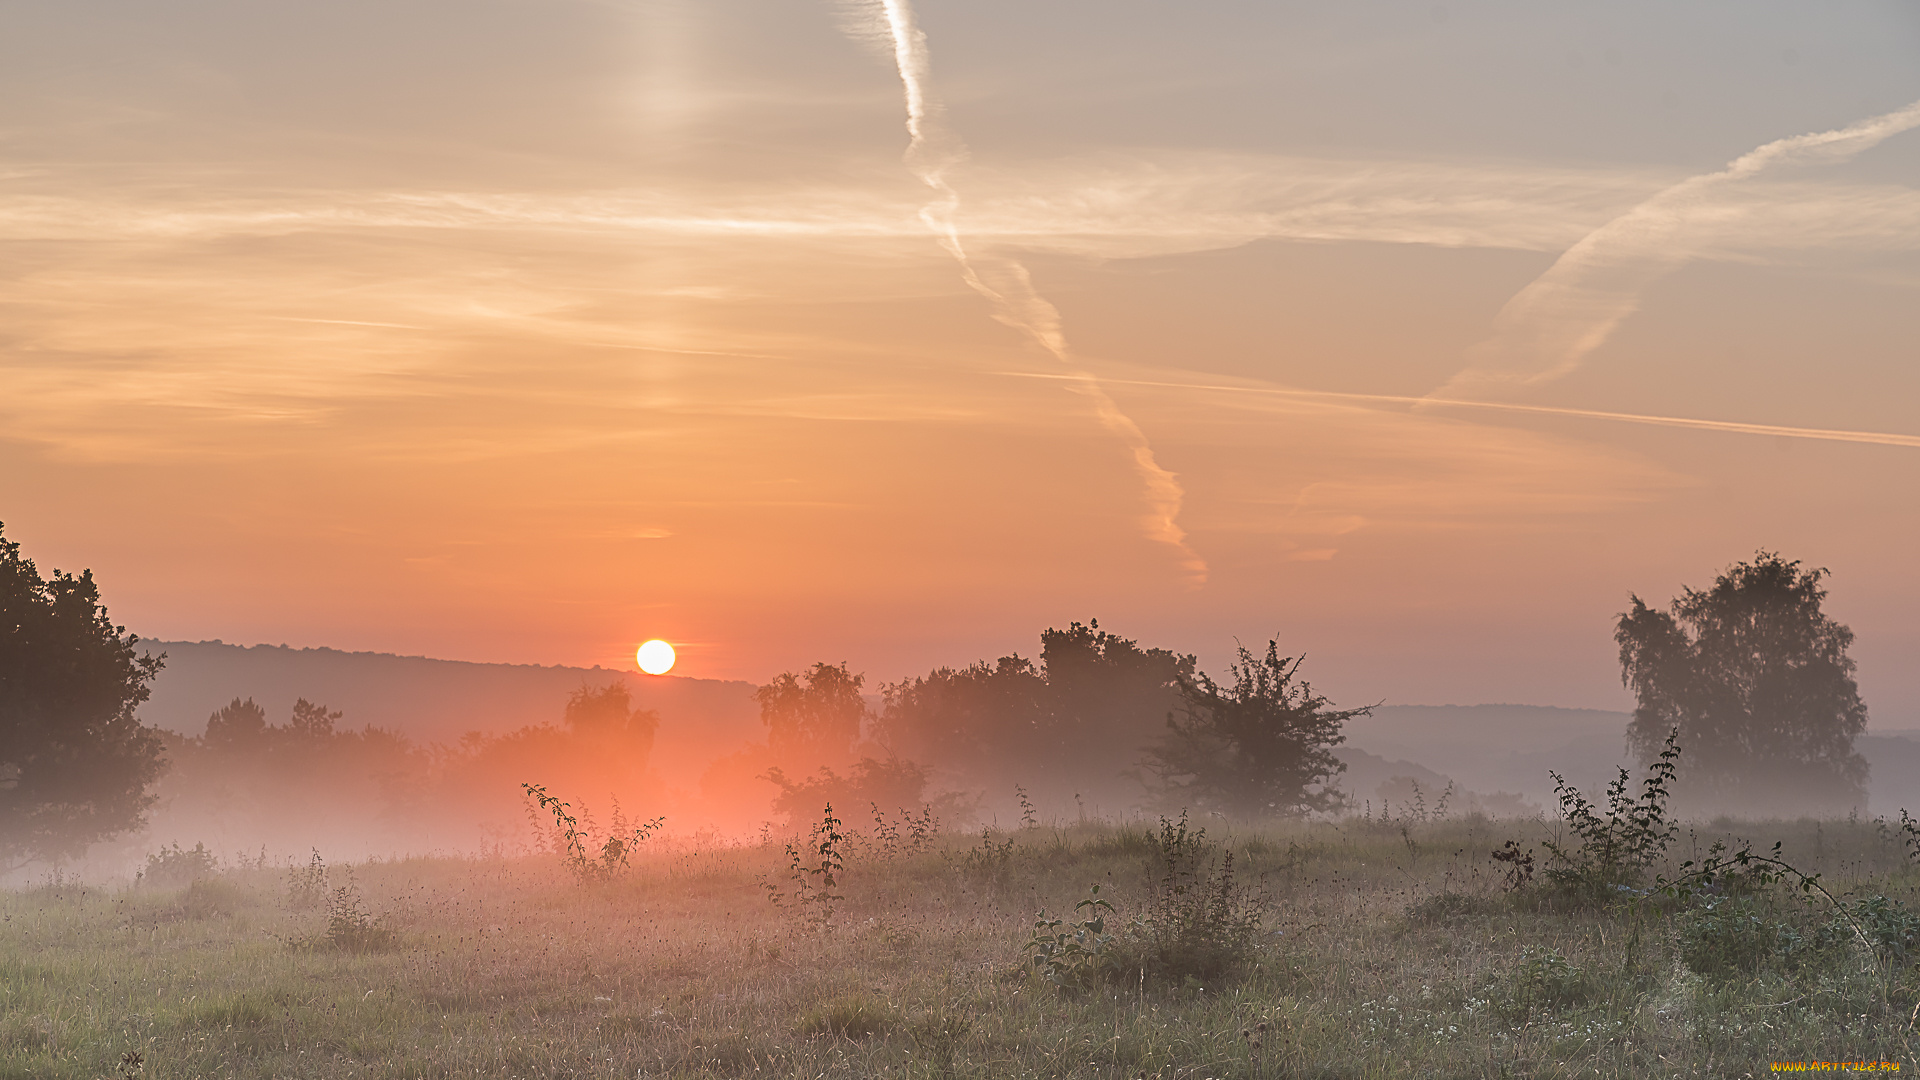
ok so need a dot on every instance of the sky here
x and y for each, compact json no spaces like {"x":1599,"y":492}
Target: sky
{"x":1417,"y":337}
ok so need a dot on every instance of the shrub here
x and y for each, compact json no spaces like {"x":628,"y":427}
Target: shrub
{"x":1885,"y":926}
{"x":1617,"y":846}
{"x":1200,"y":922}
{"x":350,"y":926}
{"x":307,"y":885}
{"x":1733,"y":935}
{"x":590,"y":862}
{"x":1074,"y":955}
{"x":813,"y":874}
{"x":1519,"y":864}
{"x":209,"y":898}
{"x":172,"y":867}
{"x":1544,"y":980}
{"x":990,"y":864}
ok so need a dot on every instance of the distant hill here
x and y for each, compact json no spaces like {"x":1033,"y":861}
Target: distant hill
{"x":1485,"y":749}
{"x":1510,"y":748}
{"x":429,"y":700}
{"x":1493,"y":748}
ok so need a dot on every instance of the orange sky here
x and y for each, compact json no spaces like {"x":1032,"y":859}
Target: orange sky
{"x":503,"y":331}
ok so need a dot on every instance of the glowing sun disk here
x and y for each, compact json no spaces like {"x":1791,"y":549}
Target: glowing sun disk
{"x":655,"y":657}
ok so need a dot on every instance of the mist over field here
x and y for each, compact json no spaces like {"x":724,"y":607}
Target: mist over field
{"x":920,"y":538}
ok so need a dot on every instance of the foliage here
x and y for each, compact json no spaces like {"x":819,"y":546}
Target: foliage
{"x":1733,"y":935}
{"x":606,"y":718}
{"x":307,"y":885}
{"x":1519,"y":864}
{"x":1906,"y":834}
{"x":989,"y":864}
{"x":75,"y":764}
{"x":172,"y":867}
{"x":1544,"y":980}
{"x":1886,"y":926}
{"x":813,"y":874}
{"x":1618,"y":845}
{"x":350,"y":926}
{"x":1078,"y":716}
{"x":311,"y":722}
{"x":592,"y":863}
{"x":1261,"y":746}
{"x":815,"y":716}
{"x":238,"y":726}
{"x":894,"y":782}
{"x":1757,"y":680}
{"x":1074,"y":955}
{"x":912,"y":834}
{"x":1199,"y":923}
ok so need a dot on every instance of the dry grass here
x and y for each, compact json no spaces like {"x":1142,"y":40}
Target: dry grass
{"x":1389,"y":952}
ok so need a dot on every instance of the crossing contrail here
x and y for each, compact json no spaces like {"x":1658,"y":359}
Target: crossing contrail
{"x":1737,"y":427}
{"x":932,"y":150}
{"x":1550,"y":326}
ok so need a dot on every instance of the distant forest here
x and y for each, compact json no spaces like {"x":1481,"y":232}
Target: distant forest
{"x":1094,"y":723}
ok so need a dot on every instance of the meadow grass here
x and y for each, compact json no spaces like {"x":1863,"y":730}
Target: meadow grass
{"x":1387,"y":949}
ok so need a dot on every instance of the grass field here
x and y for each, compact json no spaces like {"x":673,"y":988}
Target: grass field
{"x":1384,"y":949}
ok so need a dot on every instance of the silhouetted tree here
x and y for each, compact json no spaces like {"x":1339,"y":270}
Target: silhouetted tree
{"x":968,"y":719}
{"x":74,"y":762}
{"x":814,"y":717}
{"x":311,"y":723}
{"x":890,"y":786}
{"x":1758,"y":681}
{"x":606,"y":720}
{"x":1259,"y":747}
{"x":1076,"y":722}
{"x":239,"y":726}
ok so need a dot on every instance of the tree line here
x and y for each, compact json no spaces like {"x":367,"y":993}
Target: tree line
{"x":1751,"y":673}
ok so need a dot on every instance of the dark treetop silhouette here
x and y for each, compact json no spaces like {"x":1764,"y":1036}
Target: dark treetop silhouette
{"x":1757,"y":679}
{"x":74,"y":763}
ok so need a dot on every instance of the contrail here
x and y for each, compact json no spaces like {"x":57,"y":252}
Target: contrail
{"x":1876,"y":438}
{"x":931,"y":151}
{"x":1550,"y":326}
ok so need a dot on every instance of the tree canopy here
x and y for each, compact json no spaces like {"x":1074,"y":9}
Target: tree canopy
{"x":1078,"y":719}
{"x":1262,"y":746}
{"x":815,"y":717}
{"x":74,"y":762}
{"x":1757,"y":679}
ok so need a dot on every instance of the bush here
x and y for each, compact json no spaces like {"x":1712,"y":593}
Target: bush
{"x":1887,"y":927}
{"x":1617,"y":846}
{"x":351,"y":927}
{"x":209,"y":898}
{"x":1544,"y":980}
{"x":1729,"y":936}
{"x":307,"y":885}
{"x":172,"y":867}
{"x":1076,"y":955}
{"x":1200,"y":923}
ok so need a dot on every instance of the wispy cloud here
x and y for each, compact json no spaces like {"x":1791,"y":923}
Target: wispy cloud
{"x":1111,"y":205}
{"x":1553,"y":324}
{"x":931,"y":152}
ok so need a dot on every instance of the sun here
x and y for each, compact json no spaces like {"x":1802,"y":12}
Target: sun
{"x":656,"y":657}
